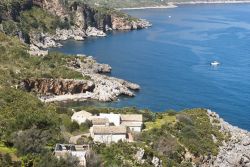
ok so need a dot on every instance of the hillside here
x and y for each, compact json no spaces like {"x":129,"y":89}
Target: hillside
{"x":30,"y":128}
{"x":36,"y":22}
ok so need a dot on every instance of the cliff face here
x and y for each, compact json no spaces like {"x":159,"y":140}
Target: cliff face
{"x":57,"y":86}
{"x":104,"y":19}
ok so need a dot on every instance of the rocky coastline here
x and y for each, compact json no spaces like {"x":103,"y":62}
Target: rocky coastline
{"x":83,"y":22}
{"x":41,"y":42}
{"x":233,"y":152}
{"x":88,"y":22}
{"x":97,"y":86}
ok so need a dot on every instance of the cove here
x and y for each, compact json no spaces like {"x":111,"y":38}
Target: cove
{"x":171,"y":60}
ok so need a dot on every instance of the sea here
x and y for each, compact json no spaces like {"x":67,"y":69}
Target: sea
{"x":171,"y":61}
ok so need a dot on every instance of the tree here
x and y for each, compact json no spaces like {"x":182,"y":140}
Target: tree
{"x":93,"y":160}
{"x":31,"y":141}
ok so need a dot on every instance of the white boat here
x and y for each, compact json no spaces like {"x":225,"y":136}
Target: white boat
{"x":215,"y":63}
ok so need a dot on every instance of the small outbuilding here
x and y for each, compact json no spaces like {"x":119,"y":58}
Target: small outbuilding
{"x":78,"y":151}
{"x":81,"y":116}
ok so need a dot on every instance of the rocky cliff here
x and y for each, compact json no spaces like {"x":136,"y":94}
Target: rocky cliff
{"x":48,"y":87}
{"x":233,"y":152}
{"x":61,"y":21}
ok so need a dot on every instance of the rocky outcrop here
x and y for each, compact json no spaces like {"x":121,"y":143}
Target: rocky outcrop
{"x":141,"y":157}
{"x":43,"y":41}
{"x":235,"y":151}
{"x":121,"y":23}
{"x":94,"y":32}
{"x":99,"y":86}
{"x":73,"y":33}
{"x":106,"y":88}
{"x":110,"y":88}
{"x":34,"y":50}
{"x":50,"y":87}
{"x":88,"y":65}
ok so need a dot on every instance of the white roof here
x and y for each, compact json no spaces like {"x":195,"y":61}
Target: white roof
{"x":82,"y":114}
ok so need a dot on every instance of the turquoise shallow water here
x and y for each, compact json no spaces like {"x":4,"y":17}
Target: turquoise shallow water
{"x":171,"y":60}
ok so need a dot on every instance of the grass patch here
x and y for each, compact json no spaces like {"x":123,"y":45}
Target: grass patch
{"x":6,"y":150}
{"x":165,"y":119}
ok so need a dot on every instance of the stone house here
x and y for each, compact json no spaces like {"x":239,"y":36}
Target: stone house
{"x":133,"y":121}
{"x":108,"y":134}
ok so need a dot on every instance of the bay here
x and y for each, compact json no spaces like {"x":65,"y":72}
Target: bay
{"x":171,"y":60}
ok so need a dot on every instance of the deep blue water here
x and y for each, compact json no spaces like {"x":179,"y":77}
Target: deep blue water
{"x":171,"y":60}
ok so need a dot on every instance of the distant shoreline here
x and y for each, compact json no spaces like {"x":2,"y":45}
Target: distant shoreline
{"x":211,"y":2}
{"x":170,"y":5}
{"x":174,"y":4}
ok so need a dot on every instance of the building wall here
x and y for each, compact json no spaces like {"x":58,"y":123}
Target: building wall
{"x":135,"y":128}
{"x":107,"y":138}
{"x":113,"y":118}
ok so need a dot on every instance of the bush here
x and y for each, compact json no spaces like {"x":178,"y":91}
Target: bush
{"x":84,"y":127}
{"x":47,"y":159}
{"x":73,"y":126}
{"x":183,"y":118}
{"x":10,"y":27}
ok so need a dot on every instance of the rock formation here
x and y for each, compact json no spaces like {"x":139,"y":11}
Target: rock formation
{"x":50,"y":87}
{"x":99,"y":86}
{"x":94,"y":32}
{"x":235,"y":151}
{"x":84,"y":21}
{"x":106,"y":88}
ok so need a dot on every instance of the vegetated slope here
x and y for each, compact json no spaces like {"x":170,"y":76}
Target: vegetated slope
{"x":27,"y":125}
{"x":29,"y":128}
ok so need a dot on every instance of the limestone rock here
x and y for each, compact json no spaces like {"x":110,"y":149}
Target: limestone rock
{"x":235,"y":151}
{"x":156,"y":162}
{"x":89,"y":65}
{"x":73,"y":33}
{"x":139,"y":155}
{"x":48,"y":87}
{"x":94,"y":32}
{"x":43,"y":40}
{"x":121,"y":23}
{"x":35,"y":51}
